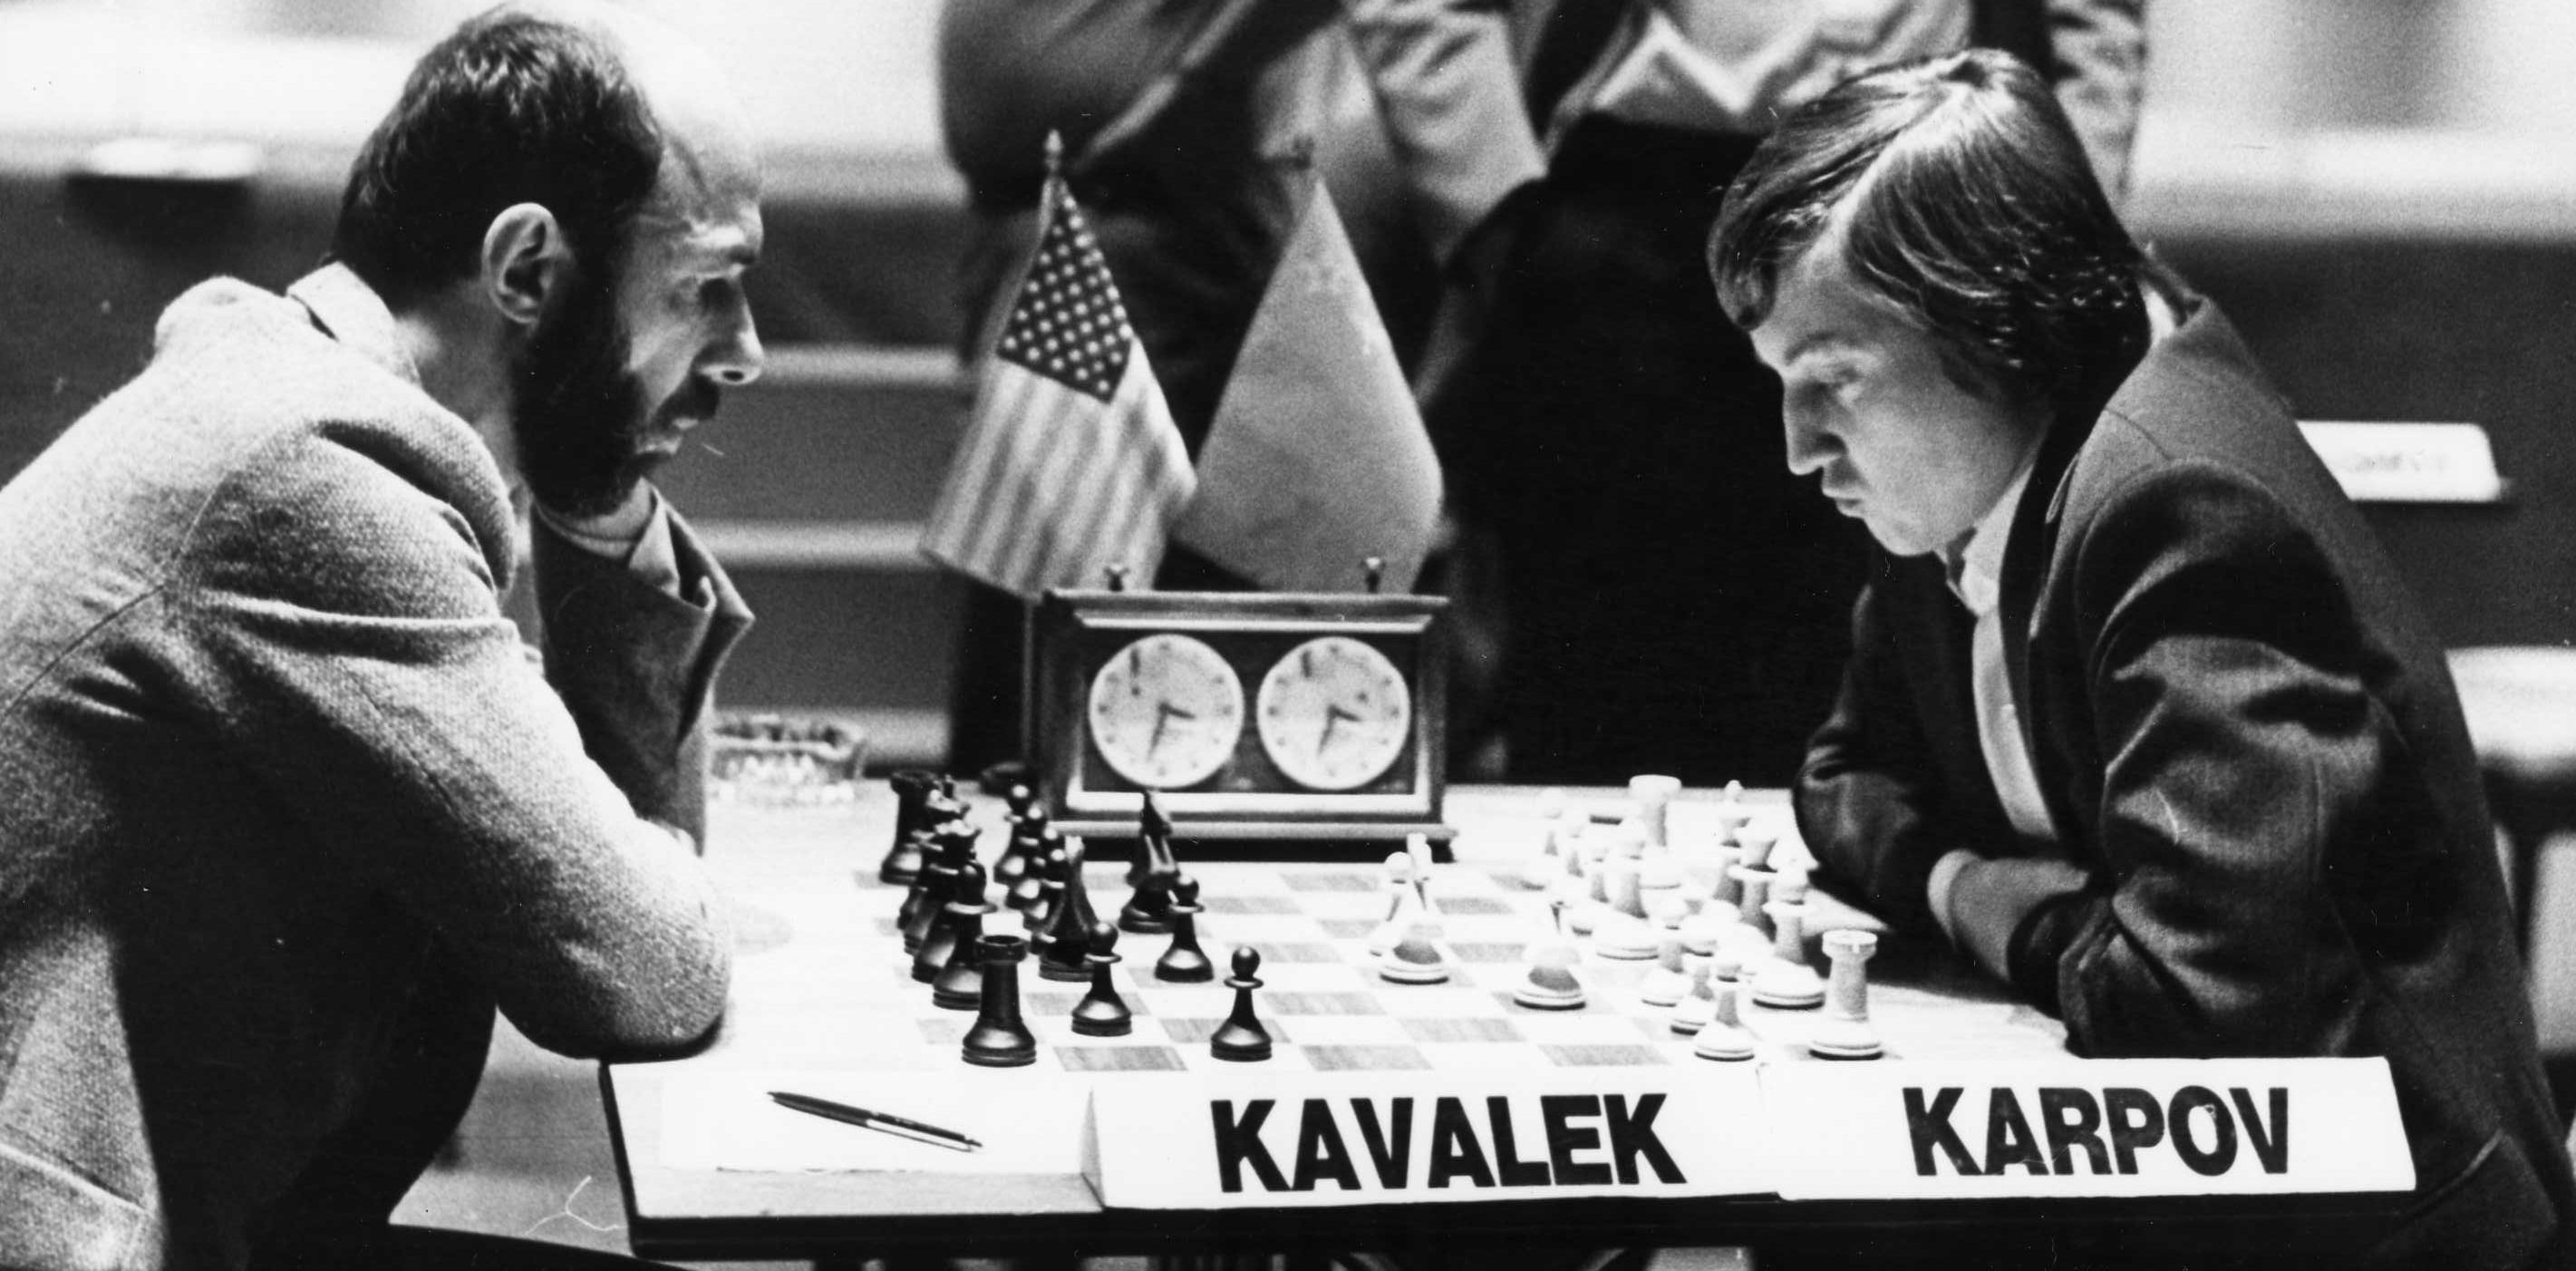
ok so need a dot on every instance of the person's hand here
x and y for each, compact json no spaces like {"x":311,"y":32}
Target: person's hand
{"x":1981,"y":901}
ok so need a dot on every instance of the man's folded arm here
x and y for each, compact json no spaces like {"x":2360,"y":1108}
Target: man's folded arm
{"x":357,"y":655}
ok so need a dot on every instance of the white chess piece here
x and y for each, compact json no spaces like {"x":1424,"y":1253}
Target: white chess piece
{"x":1669,"y":978}
{"x":1785,"y":980}
{"x":1845,"y":1031}
{"x":1654,"y":799}
{"x":1402,"y":901}
{"x":1724,"y":1038}
{"x":1419,"y":957}
{"x":1554,"y":981}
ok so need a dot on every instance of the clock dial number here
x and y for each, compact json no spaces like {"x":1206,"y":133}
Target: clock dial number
{"x":1334,"y":713}
{"x":1166,"y":711}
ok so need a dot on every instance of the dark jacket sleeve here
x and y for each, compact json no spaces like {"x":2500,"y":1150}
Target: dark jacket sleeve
{"x":637,"y":666}
{"x":2246,"y":781}
{"x":1869,"y":794}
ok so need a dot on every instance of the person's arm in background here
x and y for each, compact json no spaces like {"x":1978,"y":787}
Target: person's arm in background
{"x":2099,"y":51}
{"x":1449,"y":92}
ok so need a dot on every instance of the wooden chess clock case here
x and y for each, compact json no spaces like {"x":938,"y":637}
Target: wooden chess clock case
{"x":1283,"y":724}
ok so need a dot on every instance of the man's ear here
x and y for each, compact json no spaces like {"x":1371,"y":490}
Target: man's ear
{"x":526,"y":261}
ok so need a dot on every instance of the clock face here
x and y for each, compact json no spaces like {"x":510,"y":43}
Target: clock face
{"x":1166,"y":711}
{"x":1333,"y":713}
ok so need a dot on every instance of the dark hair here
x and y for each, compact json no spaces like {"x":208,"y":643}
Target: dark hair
{"x":509,"y":109}
{"x":1971,"y":210}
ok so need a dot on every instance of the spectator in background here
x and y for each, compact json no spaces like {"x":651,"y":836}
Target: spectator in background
{"x":1186,"y":130}
{"x":1674,"y":600}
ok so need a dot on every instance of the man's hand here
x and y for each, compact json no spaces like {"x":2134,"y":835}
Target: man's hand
{"x":1982,"y":901}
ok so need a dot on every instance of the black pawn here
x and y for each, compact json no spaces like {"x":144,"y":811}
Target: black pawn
{"x":903,"y":860}
{"x":1049,"y":877}
{"x":1100,"y":1013}
{"x":1021,"y":854}
{"x":1184,"y":962}
{"x":1241,"y":1038}
{"x":959,"y":926}
{"x":1068,"y":931}
{"x":1028,"y":891}
{"x":999,"y":1039}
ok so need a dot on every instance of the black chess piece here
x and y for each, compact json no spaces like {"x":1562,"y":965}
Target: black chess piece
{"x":1048,"y":877}
{"x":960,"y":922}
{"x":903,"y":860}
{"x":1184,"y":962}
{"x":1241,"y":1038}
{"x":1148,"y":909}
{"x":1020,"y":855}
{"x":999,"y":1039}
{"x":1100,"y":1013}
{"x":952,"y":848}
{"x":1067,"y":937}
{"x":1031,"y":840}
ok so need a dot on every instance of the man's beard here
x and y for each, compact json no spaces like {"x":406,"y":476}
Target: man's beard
{"x":577,"y":413}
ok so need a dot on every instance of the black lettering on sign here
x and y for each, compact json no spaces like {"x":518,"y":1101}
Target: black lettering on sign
{"x":1564,"y":1138}
{"x":1508,"y":1166}
{"x":2072,"y":1119}
{"x":1239,"y":1143}
{"x":1930,"y":1128}
{"x":1390,"y":1150}
{"x":2136,"y":1122}
{"x":2210,"y":1160}
{"x":1632,"y":1136}
{"x":1455,"y":1153}
{"x":2271,"y":1147}
{"x":1320,"y":1154}
{"x":2008,"y":1137}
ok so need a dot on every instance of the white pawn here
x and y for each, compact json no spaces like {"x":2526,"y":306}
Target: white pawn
{"x":1754,"y":844}
{"x":1402,"y":901}
{"x":1698,"y":1006}
{"x":1592,"y":906}
{"x":1845,"y":1032}
{"x":1785,"y":980}
{"x":1654,"y":799}
{"x":1724,"y":1038}
{"x":1554,"y":981}
{"x":1669,"y":978}
{"x":1622,"y":931}
{"x":1713,"y":925}
{"x":1550,"y":864}
{"x":1731,"y":813}
{"x":1418,"y":958}
{"x":1749,"y":936}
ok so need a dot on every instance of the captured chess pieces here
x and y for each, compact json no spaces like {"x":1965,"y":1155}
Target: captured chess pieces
{"x":1845,"y":1032}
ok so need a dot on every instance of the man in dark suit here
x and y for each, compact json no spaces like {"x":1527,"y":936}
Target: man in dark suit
{"x":2138,"y":713}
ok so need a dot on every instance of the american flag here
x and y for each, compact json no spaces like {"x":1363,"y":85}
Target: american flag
{"x":1070,"y":463}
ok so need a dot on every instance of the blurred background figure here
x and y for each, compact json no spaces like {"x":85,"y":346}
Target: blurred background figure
{"x":1673,"y":600}
{"x":1189,"y":134}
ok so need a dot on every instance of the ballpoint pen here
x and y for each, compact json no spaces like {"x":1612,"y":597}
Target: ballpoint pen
{"x":881,"y":1121}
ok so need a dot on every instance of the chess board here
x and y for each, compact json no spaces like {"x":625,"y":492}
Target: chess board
{"x":1327,"y":1009}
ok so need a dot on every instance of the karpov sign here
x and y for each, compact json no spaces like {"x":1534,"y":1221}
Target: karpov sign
{"x":1283,"y":1139}
{"x":2087,"y":1128}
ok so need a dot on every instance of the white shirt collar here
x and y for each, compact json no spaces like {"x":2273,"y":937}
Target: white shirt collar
{"x":1977,"y":564}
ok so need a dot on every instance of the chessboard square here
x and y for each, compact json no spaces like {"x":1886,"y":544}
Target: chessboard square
{"x":887,"y":928}
{"x":1282,"y":952}
{"x":1184,"y":1001}
{"x":1577,"y":1028}
{"x":1195,"y":1032}
{"x":1468,"y":1057}
{"x":1278,"y":1002}
{"x":1120,"y":1059}
{"x":1353,"y":1030}
{"x":946,"y":1030}
{"x":1283,"y":1058}
{"x":1037,"y":1004}
{"x":1434,"y":1001}
{"x":1329,"y":881}
{"x":1364,"y":1058}
{"x":1250,"y":904}
{"x":1307,"y":977}
{"x":1470,"y":906}
{"x":1605,"y":1056}
{"x":1464,"y":1029}
{"x":1348,"y":928}
{"x":1489,"y":951}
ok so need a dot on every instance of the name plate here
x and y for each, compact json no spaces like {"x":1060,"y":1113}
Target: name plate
{"x":2105,"y":1127}
{"x":1311,"y":1139}
{"x":2408,"y":463}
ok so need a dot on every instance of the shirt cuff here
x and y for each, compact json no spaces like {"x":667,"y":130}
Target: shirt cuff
{"x":1936,"y":892}
{"x":649,"y":556}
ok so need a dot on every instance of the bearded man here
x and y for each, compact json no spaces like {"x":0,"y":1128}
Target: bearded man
{"x":289,"y":807}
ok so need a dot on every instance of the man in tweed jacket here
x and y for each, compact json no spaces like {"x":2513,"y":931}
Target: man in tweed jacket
{"x":285,"y":805}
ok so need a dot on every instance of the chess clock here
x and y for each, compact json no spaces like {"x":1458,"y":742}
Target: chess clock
{"x":1261,"y":717}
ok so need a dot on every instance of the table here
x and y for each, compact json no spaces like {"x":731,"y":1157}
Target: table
{"x":808,"y":915}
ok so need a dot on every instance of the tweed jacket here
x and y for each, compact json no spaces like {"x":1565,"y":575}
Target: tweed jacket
{"x":2247,"y":734}
{"x":271,"y":754}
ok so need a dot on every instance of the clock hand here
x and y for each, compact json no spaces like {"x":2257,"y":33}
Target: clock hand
{"x":1332,"y":717}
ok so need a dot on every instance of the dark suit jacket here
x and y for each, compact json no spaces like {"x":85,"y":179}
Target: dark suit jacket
{"x":2246,"y":732}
